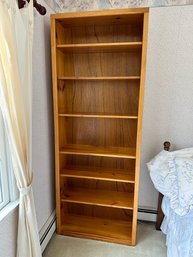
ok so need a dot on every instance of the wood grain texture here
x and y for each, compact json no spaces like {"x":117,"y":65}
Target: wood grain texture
{"x":115,"y":231}
{"x":98,"y":83}
{"x":132,"y":15}
{"x":99,"y":174}
{"x":56,"y":130}
{"x":100,"y":78}
{"x":104,"y":33}
{"x":96,"y":163}
{"x":111,"y":97}
{"x":93,"y":184}
{"x":101,"y":132}
{"x":123,"y":200}
{"x":97,"y":115}
{"x":119,"y":152}
{"x":99,"y":64}
{"x":99,"y":47}
{"x":139,"y":129}
{"x":97,"y":211}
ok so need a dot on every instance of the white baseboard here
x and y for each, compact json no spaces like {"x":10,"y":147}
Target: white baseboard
{"x":47,"y":231}
{"x":147,"y":215}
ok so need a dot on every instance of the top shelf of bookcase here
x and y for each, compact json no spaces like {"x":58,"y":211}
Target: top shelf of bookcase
{"x":132,"y":15}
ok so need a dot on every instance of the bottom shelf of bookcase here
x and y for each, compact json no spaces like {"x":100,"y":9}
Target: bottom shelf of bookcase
{"x":115,"y":231}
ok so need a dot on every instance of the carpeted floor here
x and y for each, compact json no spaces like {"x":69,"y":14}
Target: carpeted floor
{"x":151,"y":243}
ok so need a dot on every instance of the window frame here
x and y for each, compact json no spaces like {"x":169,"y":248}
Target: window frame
{"x":4,"y":184}
{"x":9,"y":191}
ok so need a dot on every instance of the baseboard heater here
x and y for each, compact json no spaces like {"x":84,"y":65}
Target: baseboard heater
{"x":147,"y":215}
{"x":47,"y":231}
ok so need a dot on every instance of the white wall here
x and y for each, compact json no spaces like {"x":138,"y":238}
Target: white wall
{"x":8,"y":235}
{"x":168,"y":106}
{"x":43,"y":151}
{"x":42,"y":137}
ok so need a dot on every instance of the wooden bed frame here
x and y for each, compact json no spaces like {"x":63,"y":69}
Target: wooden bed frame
{"x":160,"y":214}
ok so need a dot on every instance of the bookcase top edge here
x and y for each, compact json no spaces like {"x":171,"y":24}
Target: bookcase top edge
{"x":97,"y":13}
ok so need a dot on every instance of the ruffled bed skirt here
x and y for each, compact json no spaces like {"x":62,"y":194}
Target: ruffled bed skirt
{"x":178,"y":230}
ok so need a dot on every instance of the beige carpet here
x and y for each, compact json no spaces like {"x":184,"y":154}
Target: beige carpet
{"x":151,"y":243}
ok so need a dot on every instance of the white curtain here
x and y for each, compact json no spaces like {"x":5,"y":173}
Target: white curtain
{"x":16,"y":38}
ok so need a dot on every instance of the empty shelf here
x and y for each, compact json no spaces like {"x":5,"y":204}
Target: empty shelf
{"x":113,"y":199}
{"x":120,"y":152}
{"x":95,"y":173}
{"x":100,"y":78}
{"x":99,"y":115}
{"x":100,"y":47}
{"x":116,"y":231}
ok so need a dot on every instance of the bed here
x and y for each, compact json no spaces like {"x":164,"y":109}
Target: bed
{"x":172,"y":175}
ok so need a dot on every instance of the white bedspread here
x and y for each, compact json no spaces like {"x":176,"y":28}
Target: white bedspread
{"x":172,"y":175}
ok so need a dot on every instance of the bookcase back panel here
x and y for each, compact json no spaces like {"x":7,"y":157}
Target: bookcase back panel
{"x":93,"y":33}
{"x":100,"y":162}
{"x":74,"y":183}
{"x":96,"y":211}
{"x":118,"y":19}
{"x":99,"y":64}
{"x":112,"y":97}
{"x":98,"y":132}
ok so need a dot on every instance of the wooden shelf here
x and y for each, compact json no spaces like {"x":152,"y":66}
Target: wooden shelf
{"x":98,"y":70}
{"x":133,"y":16}
{"x":99,"y":174}
{"x":115,"y":199}
{"x":119,"y":152}
{"x":116,"y":231}
{"x":100,"y":78}
{"x":100,"y":47}
{"x":99,"y":115}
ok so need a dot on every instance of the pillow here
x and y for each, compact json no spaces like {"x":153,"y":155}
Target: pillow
{"x":162,"y":173}
{"x":172,"y":175}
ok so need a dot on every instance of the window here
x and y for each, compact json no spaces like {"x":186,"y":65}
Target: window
{"x":8,"y":191}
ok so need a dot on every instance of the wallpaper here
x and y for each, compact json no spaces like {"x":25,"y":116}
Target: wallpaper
{"x":86,"y":5}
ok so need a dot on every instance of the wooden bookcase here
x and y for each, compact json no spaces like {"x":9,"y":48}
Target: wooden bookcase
{"x":98,"y":69}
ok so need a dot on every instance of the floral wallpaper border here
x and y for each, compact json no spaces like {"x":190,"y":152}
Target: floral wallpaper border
{"x":88,"y":5}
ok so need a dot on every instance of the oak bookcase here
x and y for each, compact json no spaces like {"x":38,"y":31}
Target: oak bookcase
{"x":98,"y":69}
